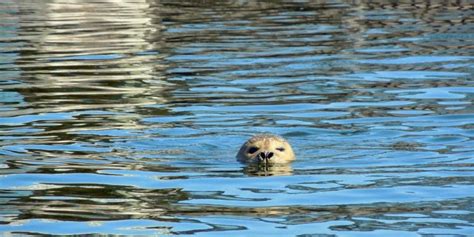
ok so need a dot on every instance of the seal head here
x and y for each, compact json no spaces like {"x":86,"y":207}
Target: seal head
{"x":267,"y":149}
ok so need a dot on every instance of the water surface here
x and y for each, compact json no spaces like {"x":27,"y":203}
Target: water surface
{"x":124,"y":117}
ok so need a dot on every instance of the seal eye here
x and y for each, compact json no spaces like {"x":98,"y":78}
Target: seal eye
{"x":252,"y":150}
{"x":281,"y":149}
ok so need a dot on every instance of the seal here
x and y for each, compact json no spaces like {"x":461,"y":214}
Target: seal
{"x":267,"y":149}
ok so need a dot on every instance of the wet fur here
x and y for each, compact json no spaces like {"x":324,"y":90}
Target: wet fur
{"x":266,"y":143}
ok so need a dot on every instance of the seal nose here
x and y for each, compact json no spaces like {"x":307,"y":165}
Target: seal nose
{"x":265,"y":155}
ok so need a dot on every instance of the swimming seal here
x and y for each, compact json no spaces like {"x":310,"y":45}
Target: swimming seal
{"x":267,"y":149}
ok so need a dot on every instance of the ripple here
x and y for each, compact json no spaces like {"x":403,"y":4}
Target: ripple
{"x":416,"y":59}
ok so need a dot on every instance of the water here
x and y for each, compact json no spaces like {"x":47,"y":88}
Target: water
{"x":124,"y":117}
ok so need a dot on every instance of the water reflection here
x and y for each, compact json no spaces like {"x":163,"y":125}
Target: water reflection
{"x":123,"y":117}
{"x":268,"y":170}
{"x":96,"y":59}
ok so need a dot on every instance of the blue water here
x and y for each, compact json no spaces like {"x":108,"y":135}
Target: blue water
{"x":124,"y":117}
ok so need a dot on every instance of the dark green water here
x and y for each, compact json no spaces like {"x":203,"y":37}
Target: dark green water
{"x":124,"y":117}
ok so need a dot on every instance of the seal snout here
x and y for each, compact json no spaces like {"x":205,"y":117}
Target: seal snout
{"x":265,"y":155}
